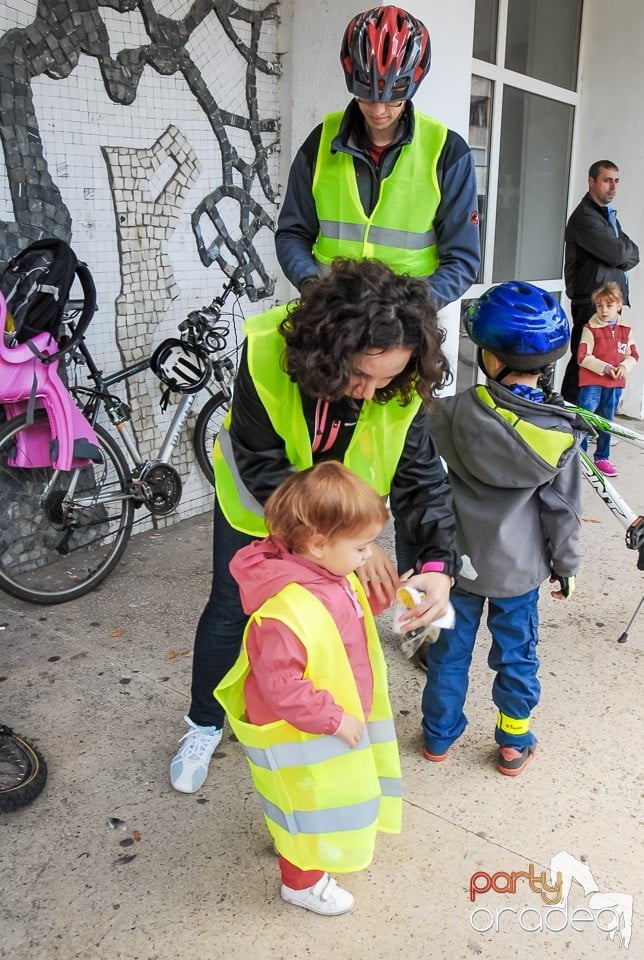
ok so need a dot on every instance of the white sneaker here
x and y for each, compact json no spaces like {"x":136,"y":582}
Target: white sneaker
{"x":189,"y":767}
{"x":324,"y":897}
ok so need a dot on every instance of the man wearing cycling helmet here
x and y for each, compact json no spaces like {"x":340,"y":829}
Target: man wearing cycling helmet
{"x":515,"y":476}
{"x":382,"y":180}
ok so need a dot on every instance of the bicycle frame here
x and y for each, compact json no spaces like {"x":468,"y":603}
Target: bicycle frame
{"x":631,"y":521}
{"x":119,"y":414}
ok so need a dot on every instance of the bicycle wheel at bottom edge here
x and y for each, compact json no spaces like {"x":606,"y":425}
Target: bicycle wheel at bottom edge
{"x":49,"y":554}
{"x":207,"y":427}
{"x":23,"y":771}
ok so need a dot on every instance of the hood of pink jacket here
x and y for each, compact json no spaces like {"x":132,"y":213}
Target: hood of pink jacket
{"x":265,"y":567}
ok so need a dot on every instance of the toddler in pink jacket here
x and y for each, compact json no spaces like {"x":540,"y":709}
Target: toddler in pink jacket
{"x":322,"y":522}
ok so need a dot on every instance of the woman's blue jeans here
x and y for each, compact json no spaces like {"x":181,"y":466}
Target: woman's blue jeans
{"x":514,"y":625}
{"x":221,"y":625}
{"x":604,"y":401}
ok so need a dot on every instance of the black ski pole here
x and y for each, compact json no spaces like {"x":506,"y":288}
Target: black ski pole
{"x":624,"y":637}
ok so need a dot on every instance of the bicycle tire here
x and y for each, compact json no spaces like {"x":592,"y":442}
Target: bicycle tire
{"x":46,"y":555}
{"x":207,"y":427}
{"x":23,"y":771}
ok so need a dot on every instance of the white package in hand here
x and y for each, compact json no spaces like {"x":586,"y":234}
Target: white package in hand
{"x":407,"y":598}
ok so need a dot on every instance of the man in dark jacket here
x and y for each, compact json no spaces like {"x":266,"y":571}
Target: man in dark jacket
{"x":597,"y":251}
{"x":382,"y":180}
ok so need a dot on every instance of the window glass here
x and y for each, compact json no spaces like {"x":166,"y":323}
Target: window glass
{"x":467,"y":369}
{"x":543,"y":40}
{"x":485,"y":19}
{"x":479,"y":140}
{"x":532,"y":190}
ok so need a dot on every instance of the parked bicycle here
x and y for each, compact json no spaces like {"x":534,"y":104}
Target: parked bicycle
{"x":63,"y":532}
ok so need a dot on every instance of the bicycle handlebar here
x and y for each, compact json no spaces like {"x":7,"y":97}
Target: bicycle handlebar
{"x":204,"y":322}
{"x":204,"y":327}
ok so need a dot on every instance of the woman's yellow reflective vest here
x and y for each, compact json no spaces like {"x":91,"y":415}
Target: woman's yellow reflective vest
{"x":323,"y":802}
{"x":373,"y":451}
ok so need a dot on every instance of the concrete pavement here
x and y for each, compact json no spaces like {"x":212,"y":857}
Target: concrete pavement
{"x":101,"y":685}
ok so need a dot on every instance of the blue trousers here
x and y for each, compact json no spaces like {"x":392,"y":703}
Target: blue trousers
{"x":604,"y":401}
{"x":514,"y":625}
{"x":223,"y":621}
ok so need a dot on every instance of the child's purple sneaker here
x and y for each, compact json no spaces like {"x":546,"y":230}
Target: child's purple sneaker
{"x":606,"y":467}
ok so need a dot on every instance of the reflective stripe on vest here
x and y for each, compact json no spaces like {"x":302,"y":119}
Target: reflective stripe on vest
{"x":323,"y":802}
{"x":400,"y":231}
{"x":373,"y":452}
{"x":549,"y":444}
{"x":304,"y":754}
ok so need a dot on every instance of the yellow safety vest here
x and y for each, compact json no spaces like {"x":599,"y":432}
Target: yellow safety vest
{"x":400,"y":231}
{"x":373,"y":451}
{"x":323,"y":803}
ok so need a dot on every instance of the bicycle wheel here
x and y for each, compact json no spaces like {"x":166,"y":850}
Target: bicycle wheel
{"x":51,"y":551}
{"x":207,"y":427}
{"x":23,"y":771}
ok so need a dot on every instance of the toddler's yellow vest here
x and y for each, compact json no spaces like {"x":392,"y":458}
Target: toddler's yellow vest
{"x":400,"y":231}
{"x":373,"y":452}
{"x":323,"y":803}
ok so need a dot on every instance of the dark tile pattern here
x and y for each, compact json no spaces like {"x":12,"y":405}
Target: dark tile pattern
{"x":52,"y":44}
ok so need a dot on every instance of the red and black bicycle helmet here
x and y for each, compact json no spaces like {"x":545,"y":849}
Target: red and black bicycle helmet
{"x":385,"y":54}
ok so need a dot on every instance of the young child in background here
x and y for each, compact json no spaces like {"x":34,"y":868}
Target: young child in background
{"x":605,"y":356}
{"x":515,"y":477}
{"x":307,"y":697}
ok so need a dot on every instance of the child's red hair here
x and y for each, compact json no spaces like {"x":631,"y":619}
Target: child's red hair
{"x":326,"y":499}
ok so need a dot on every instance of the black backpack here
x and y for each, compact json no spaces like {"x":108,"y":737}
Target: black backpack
{"x":36,"y":284}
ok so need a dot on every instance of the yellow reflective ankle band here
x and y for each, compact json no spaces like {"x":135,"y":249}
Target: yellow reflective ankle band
{"x":512,"y":725}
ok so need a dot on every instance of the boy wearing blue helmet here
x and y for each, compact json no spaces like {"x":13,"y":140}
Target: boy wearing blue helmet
{"x":515,"y":475}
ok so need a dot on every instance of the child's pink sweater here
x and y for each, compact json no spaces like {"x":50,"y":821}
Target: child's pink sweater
{"x":275,"y":687}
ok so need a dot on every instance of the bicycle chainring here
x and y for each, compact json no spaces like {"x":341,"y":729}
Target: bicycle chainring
{"x":163,"y":488}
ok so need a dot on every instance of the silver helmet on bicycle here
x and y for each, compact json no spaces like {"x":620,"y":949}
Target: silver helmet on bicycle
{"x":181,"y":366}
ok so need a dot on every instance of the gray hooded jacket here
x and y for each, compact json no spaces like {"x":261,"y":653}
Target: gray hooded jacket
{"x":516,"y":479}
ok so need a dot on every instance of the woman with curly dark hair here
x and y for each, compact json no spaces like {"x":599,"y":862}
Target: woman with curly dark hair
{"x":359,"y":311}
{"x":341,"y":375}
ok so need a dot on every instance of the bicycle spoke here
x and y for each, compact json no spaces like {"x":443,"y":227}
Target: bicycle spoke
{"x":52,"y":551}
{"x":207,"y":427}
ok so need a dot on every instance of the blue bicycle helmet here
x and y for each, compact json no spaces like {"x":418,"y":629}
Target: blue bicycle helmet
{"x":521,"y":324}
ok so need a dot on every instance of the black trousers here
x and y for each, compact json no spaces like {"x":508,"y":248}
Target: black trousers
{"x":582,"y":311}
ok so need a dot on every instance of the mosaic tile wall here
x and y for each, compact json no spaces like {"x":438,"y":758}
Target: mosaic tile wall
{"x":146,"y":134}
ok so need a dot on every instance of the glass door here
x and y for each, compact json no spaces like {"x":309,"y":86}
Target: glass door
{"x":522,"y":103}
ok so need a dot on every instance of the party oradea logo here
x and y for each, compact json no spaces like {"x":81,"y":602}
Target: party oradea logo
{"x":609,"y":913}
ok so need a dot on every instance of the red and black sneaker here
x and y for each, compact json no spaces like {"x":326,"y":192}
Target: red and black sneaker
{"x":511,"y":762}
